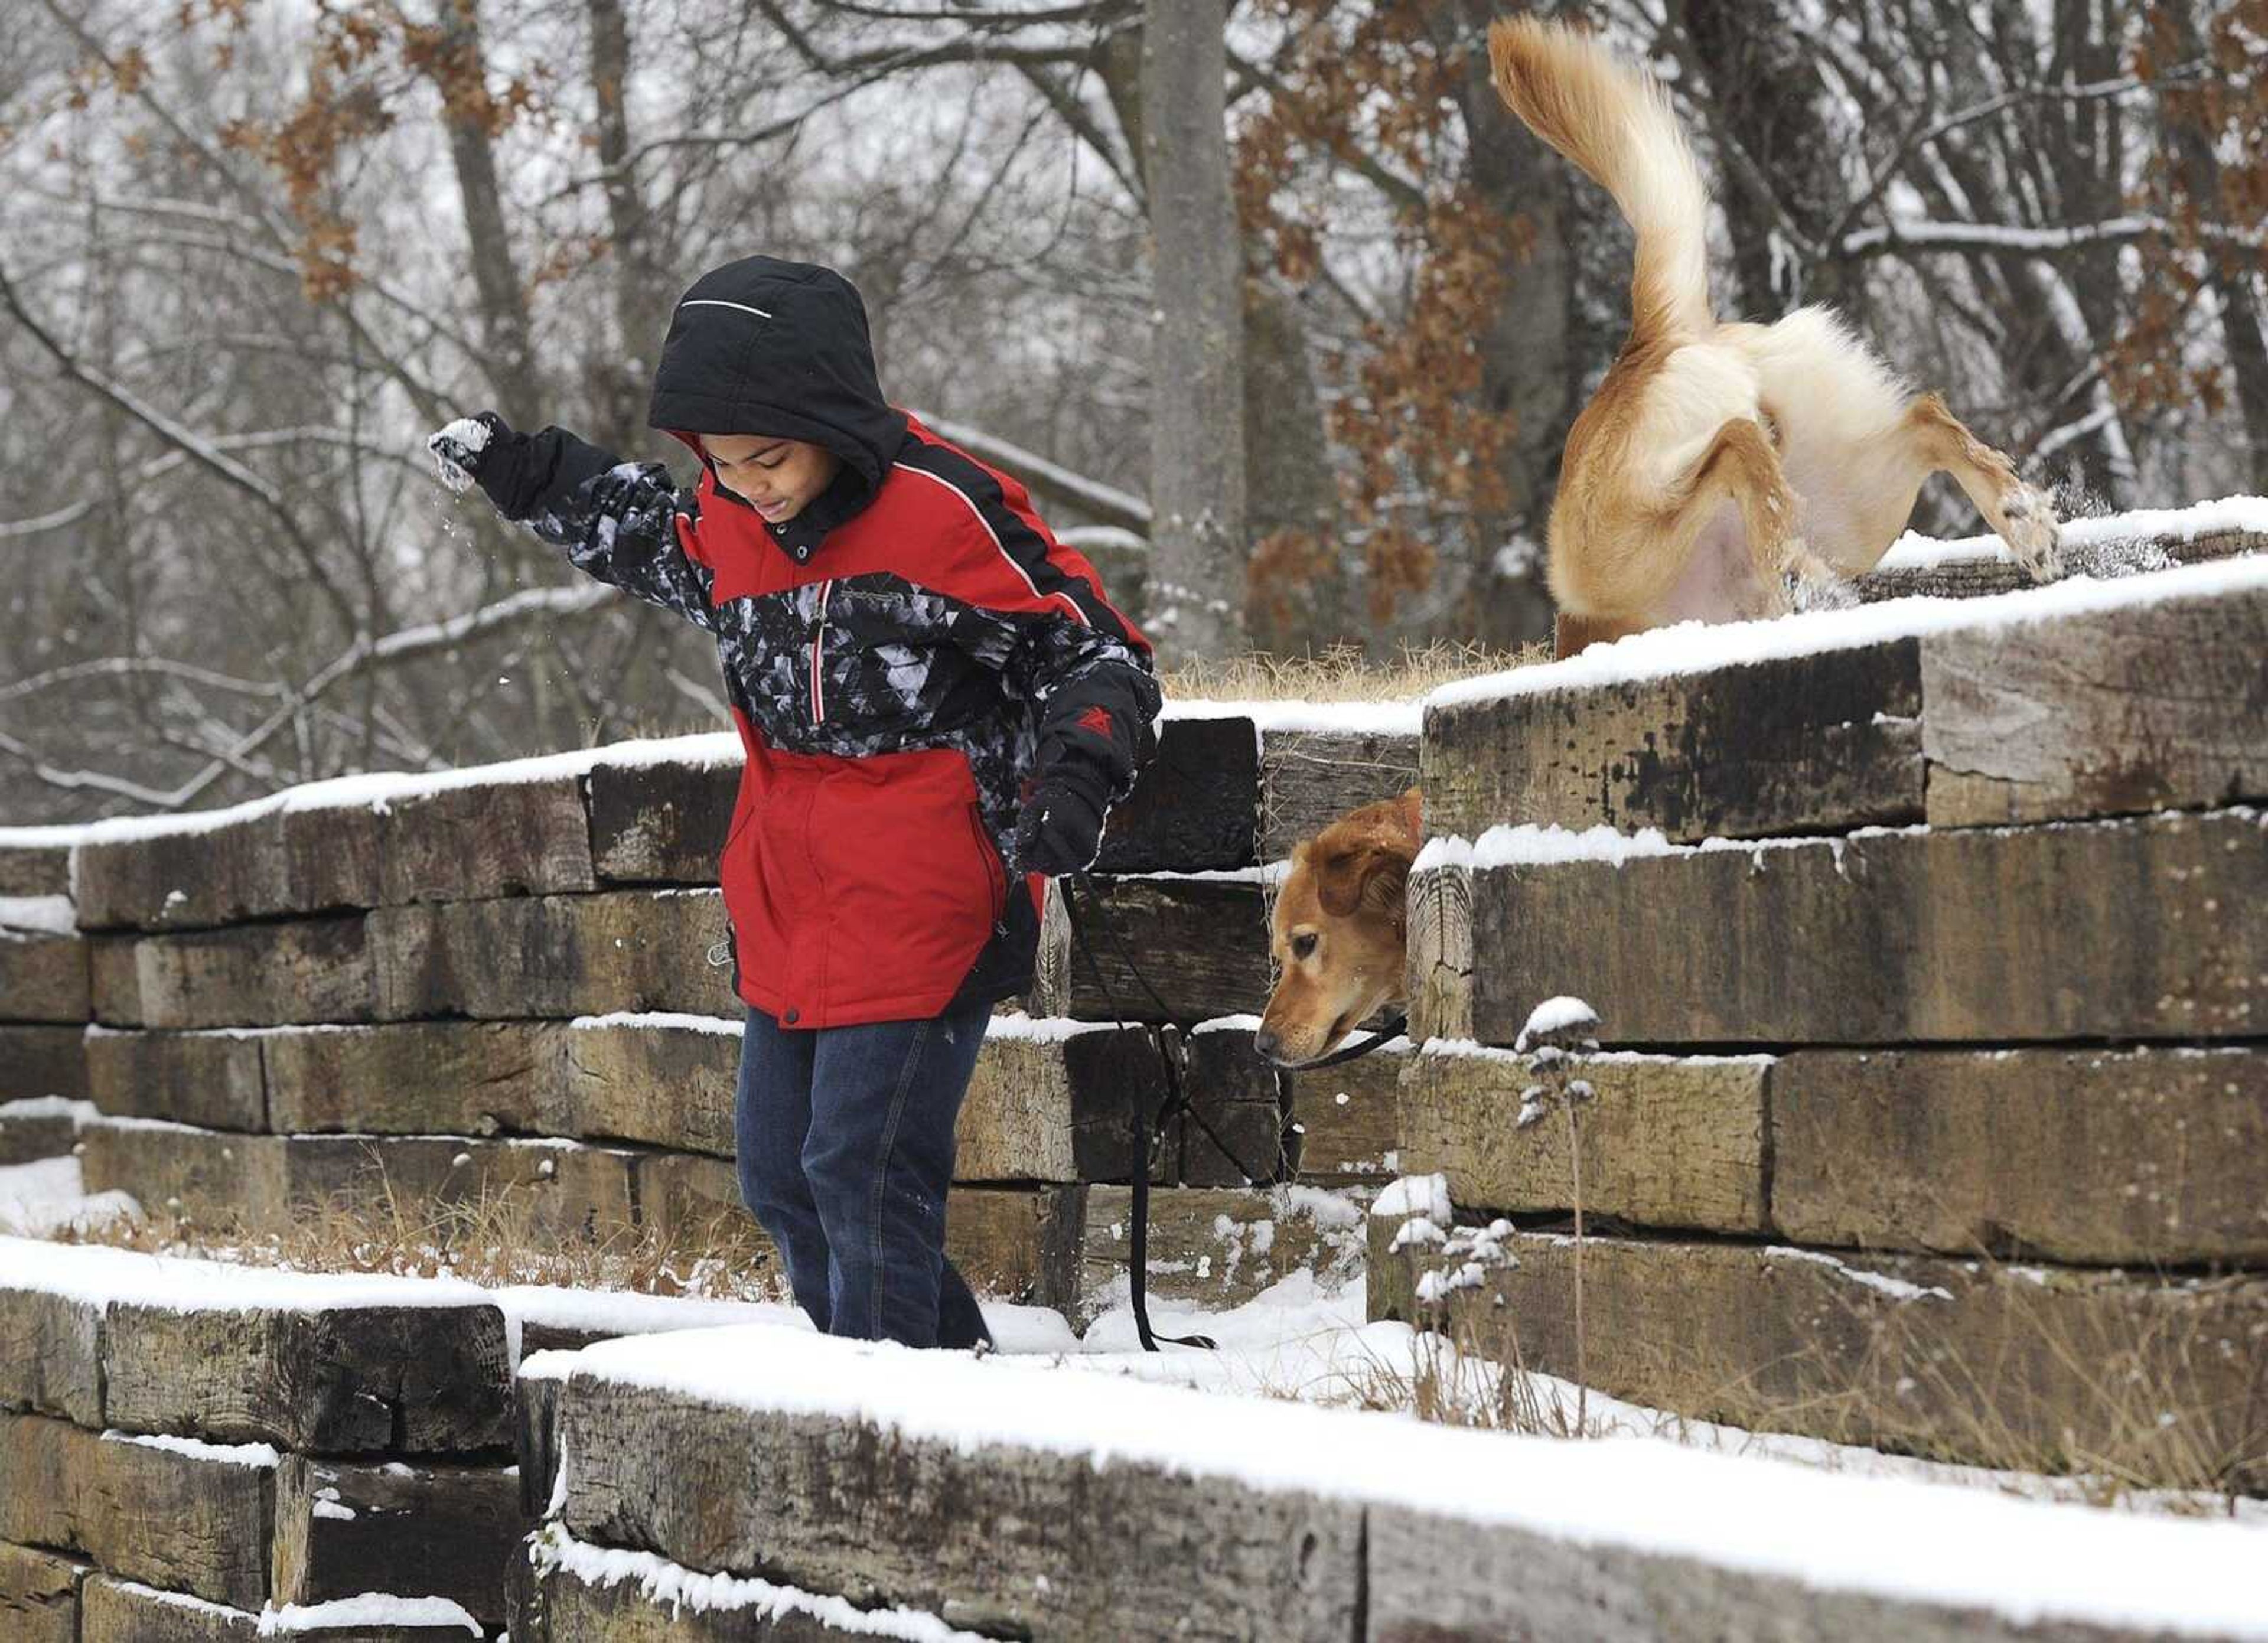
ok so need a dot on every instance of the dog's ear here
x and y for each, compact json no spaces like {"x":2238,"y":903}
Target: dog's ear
{"x":1361,"y":873}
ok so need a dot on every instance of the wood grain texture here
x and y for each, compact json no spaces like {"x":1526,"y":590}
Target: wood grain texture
{"x":1310,"y":778}
{"x":494,"y":838}
{"x":1346,"y":1117}
{"x":2148,"y":707}
{"x":294,"y":972}
{"x":1057,"y":1110}
{"x":39,"y":1595}
{"x":343,"y":1528}
{"x":35,"y":870}
{"x":181,"y":1521}
{"x":283,"y":863}
{"x":1008,"y":1541}
{"x":42,"y":1060}
{"x":660,"y":823}
{"x":462,"y":1078}
{"x":1983,"y":574}
{"x":2033,"y":1367}
{"x":1202,"y":945}
{"x":43,"y":978}
{"x":51,"y":1353}
{"x":216,"y":1079}
{"x":411,"y":1380}
{"x":1666,"y":1141}
{"x":2117,"y":929}
{"x":2153,"y":1157}
{"x":551,"y":956}
{"x":1814,"y":743}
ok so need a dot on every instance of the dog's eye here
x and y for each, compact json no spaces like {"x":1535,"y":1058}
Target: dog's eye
{"x":1303,"y":945}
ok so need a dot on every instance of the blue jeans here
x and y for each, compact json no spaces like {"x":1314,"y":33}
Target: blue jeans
{"x":844,"y":1136}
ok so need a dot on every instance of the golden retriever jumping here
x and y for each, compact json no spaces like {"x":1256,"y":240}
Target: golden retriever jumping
{"x":1723,"y":470}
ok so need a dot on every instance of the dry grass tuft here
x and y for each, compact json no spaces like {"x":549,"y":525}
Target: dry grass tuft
{"x":491,"y":1237}
{"x":1342,"y":674}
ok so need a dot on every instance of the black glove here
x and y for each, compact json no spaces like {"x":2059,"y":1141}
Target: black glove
{"x":483,"y":449}
{"x":1060,"y":829}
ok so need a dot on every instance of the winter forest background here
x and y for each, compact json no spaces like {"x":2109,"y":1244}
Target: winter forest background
{"x":250,"y":253}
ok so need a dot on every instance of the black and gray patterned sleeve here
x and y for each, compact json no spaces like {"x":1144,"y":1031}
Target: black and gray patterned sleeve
{"x":617,"y":520}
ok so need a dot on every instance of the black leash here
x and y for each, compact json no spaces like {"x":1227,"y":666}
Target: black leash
{"x":1385,"y":1035}
{"x":1145,"y":1137}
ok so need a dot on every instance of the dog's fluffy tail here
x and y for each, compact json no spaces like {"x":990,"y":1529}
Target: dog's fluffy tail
{"x":1615,"y":123}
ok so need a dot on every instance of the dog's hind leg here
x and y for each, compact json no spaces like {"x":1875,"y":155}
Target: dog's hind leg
{"x":1882,"y":483}
{"x":1572,"y":633}
{"x":1740,"y":468}
{"x":2022,"y":514}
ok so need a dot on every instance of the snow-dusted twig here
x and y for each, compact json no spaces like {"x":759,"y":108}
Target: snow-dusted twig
{"x":573,"y":599}
{"x":1906,"y":234}
{"x":1555,"y":1029}
{"x":1107,"y":501}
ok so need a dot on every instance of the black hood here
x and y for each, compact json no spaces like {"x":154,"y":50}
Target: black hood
{"x":765,"y":347}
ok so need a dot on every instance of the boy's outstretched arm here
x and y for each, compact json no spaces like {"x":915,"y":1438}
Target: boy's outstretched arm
{"x":616,"y":519}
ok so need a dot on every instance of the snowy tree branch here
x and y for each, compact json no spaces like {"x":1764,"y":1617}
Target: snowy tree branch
{"x":1909,"y":234}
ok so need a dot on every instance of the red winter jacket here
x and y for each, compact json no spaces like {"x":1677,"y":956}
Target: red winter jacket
{"x":903,"y":658}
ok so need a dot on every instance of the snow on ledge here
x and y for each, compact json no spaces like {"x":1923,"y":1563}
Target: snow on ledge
{"x":374,"y":1609}
{"x":675,"y":1587}
{"x":1331,"y":718}
{"x":1692,"y":647}
{"x":378,"y":789}
{"x":259,"y":1456}
{"x":2025,"y":1561}
{"x":1912,"y":552}
{"x":38,"y":915}
{"x":724,"y":1026}
{"x":177,"y":1283}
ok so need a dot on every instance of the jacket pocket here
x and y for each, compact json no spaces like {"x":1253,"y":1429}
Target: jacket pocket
{"x":996,"y":870}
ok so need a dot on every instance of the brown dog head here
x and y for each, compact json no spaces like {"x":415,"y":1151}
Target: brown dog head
{"x":1338,"y":933}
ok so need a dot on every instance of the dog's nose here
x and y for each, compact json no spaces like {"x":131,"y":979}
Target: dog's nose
{"x":1266,"y":1043}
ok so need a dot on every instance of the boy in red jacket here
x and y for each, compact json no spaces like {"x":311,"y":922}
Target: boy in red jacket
{"x":939,"y":706}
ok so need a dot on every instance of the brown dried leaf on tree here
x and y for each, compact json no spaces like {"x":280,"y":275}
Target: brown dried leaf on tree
{"x":1372,"y":93}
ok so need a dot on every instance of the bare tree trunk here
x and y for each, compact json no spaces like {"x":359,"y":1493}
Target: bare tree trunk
{"x":1764,"y":96}
{"x":1291,"y":497}
{"x":619,"y":377}
{"x":1200,"y":548}
{"x":1530,"y":364}
{"x":503,"y":300}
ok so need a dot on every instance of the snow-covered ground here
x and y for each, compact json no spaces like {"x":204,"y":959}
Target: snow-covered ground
{"x":1899,"y":1538}
{"x":1303,"y":1340}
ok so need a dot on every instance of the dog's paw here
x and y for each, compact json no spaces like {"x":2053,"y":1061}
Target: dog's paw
{"x":1819,"y":593}
{"x":2033,"y":533}
{"x":1809,"y":583}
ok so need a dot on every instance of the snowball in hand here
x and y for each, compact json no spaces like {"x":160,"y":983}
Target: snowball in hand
{"x":452,"y":449}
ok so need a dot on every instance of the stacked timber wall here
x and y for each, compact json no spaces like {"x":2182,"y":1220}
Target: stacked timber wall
{"x":1933,"y":1107}
{"x":835,"y":1494}
{"x":188,"y":1451}
{"x":495,"y":987}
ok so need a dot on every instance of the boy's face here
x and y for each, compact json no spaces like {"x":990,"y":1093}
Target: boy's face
{"x":778,"y":478}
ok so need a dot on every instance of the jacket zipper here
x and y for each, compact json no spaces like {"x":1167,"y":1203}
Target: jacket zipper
{"x":819,"y":656}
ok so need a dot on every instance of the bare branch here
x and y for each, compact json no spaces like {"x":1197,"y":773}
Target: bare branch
{"x":199,"y":450}
{"x":1907,"y":234}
